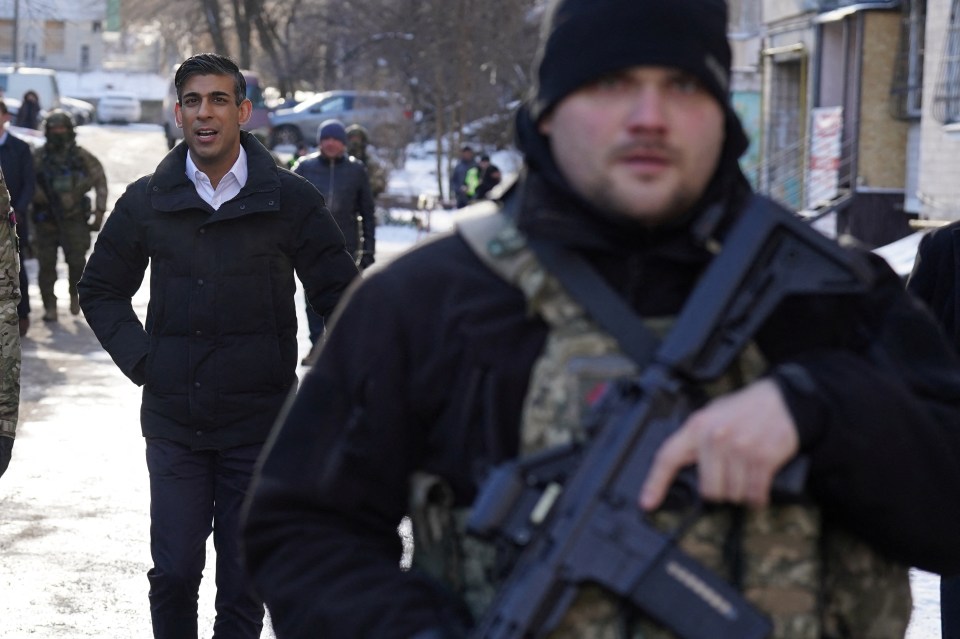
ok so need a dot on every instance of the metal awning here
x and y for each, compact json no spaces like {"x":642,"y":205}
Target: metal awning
{"x":840,"y":13}
{"x":901,"y":254}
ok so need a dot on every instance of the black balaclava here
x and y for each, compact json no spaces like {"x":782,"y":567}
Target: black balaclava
{"x":583,"y":40}
{"x":59,"y":142}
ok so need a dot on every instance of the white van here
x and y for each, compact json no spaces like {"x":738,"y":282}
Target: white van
{"x":15,"y":81}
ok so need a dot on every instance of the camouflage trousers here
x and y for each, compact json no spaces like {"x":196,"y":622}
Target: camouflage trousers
{"x":72,"y":235}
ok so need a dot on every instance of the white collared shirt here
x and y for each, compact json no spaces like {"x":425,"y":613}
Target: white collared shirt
{"x":229,"y":185}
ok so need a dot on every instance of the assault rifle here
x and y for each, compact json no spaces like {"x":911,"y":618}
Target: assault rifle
{"x":571,"y":513}
{"x":54,"y":203}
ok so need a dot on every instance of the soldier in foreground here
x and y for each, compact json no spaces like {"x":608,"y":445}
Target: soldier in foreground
{"x":9,"y":330}
{"x":631,"y":149}
{"x":63,"y":214}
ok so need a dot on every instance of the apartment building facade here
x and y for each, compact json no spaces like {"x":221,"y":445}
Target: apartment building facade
{"x":64,"y":35}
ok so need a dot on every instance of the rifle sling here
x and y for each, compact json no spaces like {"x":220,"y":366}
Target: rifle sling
{"x":597,"y":297}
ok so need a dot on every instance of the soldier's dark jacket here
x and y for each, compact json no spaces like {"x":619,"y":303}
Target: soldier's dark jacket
{"x":217,"y":355}
{"x":427,"y":368}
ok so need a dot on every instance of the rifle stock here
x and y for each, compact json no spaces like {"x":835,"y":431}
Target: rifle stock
{"x":572,"y":511}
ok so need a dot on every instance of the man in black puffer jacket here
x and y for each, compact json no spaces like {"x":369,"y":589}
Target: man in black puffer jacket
{"x":631,"y":150}
{"x":224,"y":231}
{"x":345,"y":186}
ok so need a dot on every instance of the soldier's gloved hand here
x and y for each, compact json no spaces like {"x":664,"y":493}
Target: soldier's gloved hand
{"x":366,"y":260}
{"x":97,"y":222}
{"x":6,"y":451}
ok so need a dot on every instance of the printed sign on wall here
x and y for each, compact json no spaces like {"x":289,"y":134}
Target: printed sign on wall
{"x":825,"y":137}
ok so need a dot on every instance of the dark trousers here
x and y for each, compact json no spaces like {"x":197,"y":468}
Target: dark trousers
{"x":316,"y":324}
{"x":950,"y":607}
{"x":192,"y":493}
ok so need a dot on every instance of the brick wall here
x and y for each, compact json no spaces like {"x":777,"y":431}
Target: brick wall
{"x":883,"y":139}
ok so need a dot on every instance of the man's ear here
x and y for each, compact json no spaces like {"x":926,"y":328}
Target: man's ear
{"x":246,"y":110}
{"x":177,"y":115}
{"x":545,"y":124}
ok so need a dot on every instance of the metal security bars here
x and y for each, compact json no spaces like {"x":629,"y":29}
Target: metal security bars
{"x":946,"y":99}
{"x":906,"y":89}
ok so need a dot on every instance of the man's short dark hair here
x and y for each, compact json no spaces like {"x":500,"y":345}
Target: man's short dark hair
{"x":210,"y":64}
{"x":3,"y":108}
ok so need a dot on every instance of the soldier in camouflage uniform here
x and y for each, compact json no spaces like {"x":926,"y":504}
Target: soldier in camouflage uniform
{"x":631,"y":150}
{"x":9,"y":329}
{"x":358,"y":142}
{"x":63,"y":214}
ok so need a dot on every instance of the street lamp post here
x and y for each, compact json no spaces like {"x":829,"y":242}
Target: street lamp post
{"x":16,"y":29}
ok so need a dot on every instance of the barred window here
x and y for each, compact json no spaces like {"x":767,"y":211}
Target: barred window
{"x":946,"y":99}
{"x":906,"y":90}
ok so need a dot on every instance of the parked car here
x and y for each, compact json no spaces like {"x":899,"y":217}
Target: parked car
{"x":258,"y":117}
{"x":119,"y":107}
{"x":81,"y":111}
{"x":385,"y":115}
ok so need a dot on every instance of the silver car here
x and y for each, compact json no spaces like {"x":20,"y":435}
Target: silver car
{"x":385,"y":115}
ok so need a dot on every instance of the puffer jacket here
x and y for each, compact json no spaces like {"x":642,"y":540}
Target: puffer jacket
{"x":218,"y":353}
{"x":345,"y":187}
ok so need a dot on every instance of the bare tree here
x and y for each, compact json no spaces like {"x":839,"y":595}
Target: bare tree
{"x":460,"y":63}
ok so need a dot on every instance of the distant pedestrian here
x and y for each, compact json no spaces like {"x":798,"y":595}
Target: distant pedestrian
{"x":458,"y":177}
{"x":486,"y":177}
{"x":301,"y":151}
{"x":16,"y":160}
{"x":63,"y":215}
{"x":28,"y":116}
{"x":225,"y":233}
{"x":345,"y":186}
{"x":358,"y":145}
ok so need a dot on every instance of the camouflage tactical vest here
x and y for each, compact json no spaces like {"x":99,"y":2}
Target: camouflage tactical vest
{"x":9,"y":298}
{"x":813,"y":581}
{"x":70,"y":176}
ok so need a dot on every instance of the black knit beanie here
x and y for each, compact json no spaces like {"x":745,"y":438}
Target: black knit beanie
{"x":585,"y":39}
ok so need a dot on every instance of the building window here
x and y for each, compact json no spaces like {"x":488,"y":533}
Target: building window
{"x":784,"y":152}
{"x":6,"y":39}
{"x":906,"y":91}
{"x":96,"y":26}
{"x":744,"y":17}
{"x":946,"y":99}
{"x":53,"y":37}
{"x":85,"y":57}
